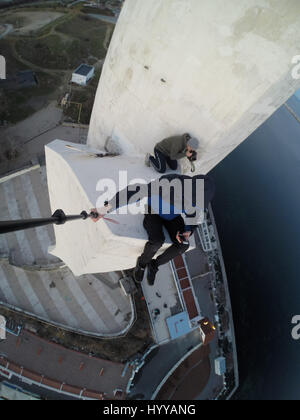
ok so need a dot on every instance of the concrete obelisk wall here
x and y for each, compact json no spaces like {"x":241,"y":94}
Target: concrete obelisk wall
{"x":217,"y":69}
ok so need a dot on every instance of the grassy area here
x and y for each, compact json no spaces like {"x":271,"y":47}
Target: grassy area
{"x":55,"y":49}
{"x":90,"y":32}
{"x":12,"y":107}
{"x":51,"y":52}
{"x":96,"y":11}
{"x":12,"y":64}
{"x":14,"y":103}
{"x":13,"y":20}
{"x":84,"y":96}
{"x":86,"y":99}
{"x":82,"y":38}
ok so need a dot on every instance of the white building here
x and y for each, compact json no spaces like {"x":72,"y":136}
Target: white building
{"x":83,"y":74}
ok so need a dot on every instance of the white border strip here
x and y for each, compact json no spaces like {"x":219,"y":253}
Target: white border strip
{"x":18,"y":173}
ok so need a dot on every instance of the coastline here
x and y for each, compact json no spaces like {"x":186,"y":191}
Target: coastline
{"x":228,"y":304}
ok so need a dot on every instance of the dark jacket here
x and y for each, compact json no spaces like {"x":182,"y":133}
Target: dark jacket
{"x":173,"y":147}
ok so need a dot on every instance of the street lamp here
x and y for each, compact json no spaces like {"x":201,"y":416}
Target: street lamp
{"x":58,"y":218}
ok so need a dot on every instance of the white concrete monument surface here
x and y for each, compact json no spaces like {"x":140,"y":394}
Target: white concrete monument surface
{"x":88,"y":247}
{"x":212,"y":68}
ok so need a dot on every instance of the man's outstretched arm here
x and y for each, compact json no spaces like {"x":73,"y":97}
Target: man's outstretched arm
{"x":121,"y":199}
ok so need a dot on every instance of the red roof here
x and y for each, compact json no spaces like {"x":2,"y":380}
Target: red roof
{"x":185,"y":287}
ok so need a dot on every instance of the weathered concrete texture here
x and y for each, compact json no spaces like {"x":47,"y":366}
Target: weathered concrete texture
{"x":217,"y":69}
{"x":88,"y":247}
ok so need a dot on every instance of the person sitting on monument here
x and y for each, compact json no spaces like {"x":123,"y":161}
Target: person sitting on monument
{"x":168,"y":151}
{"x":165,"y":208}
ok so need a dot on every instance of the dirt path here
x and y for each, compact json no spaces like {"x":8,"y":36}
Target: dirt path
{"x":53,"y":31}
{"x":35,"y":66}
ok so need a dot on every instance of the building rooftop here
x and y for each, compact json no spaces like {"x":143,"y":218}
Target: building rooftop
{"x":162,"y":297}
{"x":174,"y":304}
{"x":22,"y":79}
{"x":186,"y":290}
{"x":83,"y":69}
{"x":178,"y":325}
{"x":38,"y":283}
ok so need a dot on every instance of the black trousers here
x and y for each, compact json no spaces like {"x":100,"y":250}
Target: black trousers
{"x":160,"y":162}
{"x":154,"y":224}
